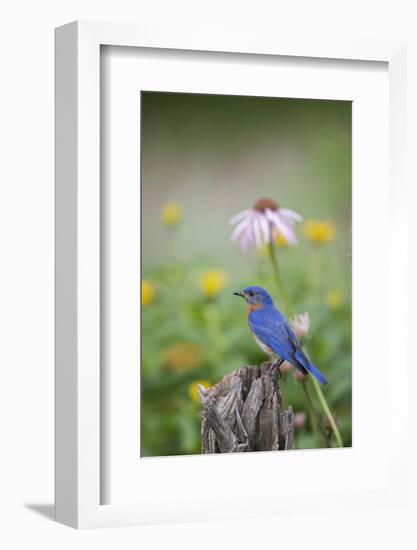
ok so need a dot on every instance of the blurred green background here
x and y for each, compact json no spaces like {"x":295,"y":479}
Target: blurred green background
{"x":204,"y":159}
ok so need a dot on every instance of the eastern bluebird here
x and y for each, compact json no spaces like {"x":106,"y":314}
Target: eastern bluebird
{"x":273,"y":333}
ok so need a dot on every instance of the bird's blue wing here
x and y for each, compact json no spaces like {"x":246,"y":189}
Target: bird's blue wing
{"x":273,"y":329}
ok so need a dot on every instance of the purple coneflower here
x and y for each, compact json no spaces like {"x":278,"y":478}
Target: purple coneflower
{"x":256,"y":226}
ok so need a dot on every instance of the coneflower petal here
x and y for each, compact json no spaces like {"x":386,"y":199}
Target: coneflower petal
{"x":257,"y":230}
{"x":239,"y":216}
{"x":246,"y":240}
{"x":290,"y":214}
{"x":270,"y":216}
{"x":241,"y":226}
{"x":264,"y":225}
{"x":285,"y":229}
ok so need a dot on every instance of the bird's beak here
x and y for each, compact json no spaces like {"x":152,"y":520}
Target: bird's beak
{"x":239,"y":294}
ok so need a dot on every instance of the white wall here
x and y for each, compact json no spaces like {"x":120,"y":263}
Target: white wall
{"x":26,"y":273}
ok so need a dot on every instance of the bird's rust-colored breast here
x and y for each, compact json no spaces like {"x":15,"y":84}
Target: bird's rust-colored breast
{"x":254,"y":307}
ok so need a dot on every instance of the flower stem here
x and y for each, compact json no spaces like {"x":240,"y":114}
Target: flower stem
{"x":312,"y":413}
{"x":278,"y":279}
{"x":326,"y":409}
{"x":318,"y":264}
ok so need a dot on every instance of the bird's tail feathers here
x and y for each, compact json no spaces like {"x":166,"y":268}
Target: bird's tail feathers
{"x":308,"y":366}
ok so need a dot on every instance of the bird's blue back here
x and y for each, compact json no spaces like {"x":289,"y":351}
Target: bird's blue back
{"x":270,"y":326}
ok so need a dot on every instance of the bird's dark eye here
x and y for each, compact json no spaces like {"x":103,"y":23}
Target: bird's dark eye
{"x":251,"y":293}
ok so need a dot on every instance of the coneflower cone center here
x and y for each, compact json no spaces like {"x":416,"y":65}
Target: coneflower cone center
{"x":263,"y":204}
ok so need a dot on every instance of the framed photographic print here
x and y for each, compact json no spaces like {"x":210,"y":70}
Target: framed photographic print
{"x":214,"y":154}
{"x":222,"y":246}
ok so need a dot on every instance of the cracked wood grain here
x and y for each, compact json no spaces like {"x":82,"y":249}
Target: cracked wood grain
{"x":244,"y":412}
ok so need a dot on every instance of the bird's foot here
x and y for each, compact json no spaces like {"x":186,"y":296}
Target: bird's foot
{"x":274,"y":368}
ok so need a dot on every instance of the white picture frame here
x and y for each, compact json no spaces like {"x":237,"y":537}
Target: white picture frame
{"x":78,"y":404}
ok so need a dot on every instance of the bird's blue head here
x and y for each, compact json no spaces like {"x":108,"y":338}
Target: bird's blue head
{"x":255,"y":296}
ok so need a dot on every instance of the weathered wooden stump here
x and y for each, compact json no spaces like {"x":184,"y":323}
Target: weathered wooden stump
{"x":244,"y":412}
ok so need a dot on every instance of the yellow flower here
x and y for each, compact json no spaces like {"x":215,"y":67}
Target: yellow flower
{"x":280,"y":240}
{"x":148,"y":293}
{"x":171,"y":214}
{"x":212,"y":282}
{"x":319,"y":231}
{"x":183,"y":356}
{"x":193,"y":388}
{"x":333,"y":299}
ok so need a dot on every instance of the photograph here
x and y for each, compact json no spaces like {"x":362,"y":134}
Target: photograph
{"x":246,"y":274}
